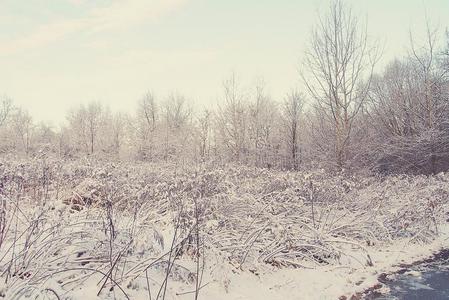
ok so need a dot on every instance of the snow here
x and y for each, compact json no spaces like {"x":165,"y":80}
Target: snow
{"x":325,"y":282}
{"x":263,"y":234}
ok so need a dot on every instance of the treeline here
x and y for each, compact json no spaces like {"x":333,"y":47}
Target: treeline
{"x":346,"y":117}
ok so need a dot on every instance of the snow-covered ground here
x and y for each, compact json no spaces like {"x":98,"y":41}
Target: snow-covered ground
{"x":327,"y":282}
{"x":99,"y":230}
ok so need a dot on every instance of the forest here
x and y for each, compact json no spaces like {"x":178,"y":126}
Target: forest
{"x":347,"y":117}
{"x":311,"y":196}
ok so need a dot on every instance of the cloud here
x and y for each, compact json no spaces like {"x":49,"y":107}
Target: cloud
{"x":122,"y":14}
{"x":118,"y":15}
{"x":41,"y":36}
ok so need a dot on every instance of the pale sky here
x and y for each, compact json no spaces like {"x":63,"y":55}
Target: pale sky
{"x":55,"y":54}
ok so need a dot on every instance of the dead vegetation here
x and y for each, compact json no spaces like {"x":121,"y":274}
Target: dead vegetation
{"x":164,"y":229}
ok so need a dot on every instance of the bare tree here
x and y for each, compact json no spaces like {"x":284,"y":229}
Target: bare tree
{"x":291,"y":117}
{"x":45,"y":137}
{"x":177,"y":111}
{"x":178,"y":118}
{"x":5,"y":109}
{"x":424,"y":60}
{"x":262,"y":116}
{"x":410,"y":107}
{"x":232,"y":119}
{"x":147,"y":120}
{"x":78,"y":129}
{"x":445,"y":61}
{"x":393,"y":99}
{"x":117,"y":131}
{"x":85,"y":123}
{"x":204,"y":133}
{"x":23,"y":127}
{"x":338,"y":68}
{"x":94,"y":118}
{"x":148,"y":111}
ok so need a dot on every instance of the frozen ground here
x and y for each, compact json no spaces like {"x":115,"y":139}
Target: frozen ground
{"x":97,"y":230}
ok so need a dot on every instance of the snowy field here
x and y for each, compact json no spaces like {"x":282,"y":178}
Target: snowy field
{"x":101,"y":230}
